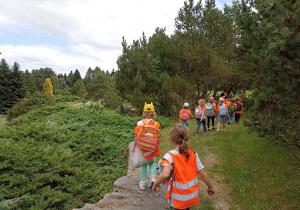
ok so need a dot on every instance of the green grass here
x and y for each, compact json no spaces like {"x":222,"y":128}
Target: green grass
{"x":260,"y":174}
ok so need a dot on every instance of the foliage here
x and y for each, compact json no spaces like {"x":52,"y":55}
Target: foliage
{"x":55,"y":84}
{"x":102,"y":86}
{"x":62,"y":156}
{"x":78,"y":89}
{"x":47,"y":87}
{"x":23,"y":106}
{"x":11,"y":85}
{"x":276,"y":111}
{"x":29,"y":85}
{"x":40,"y":75}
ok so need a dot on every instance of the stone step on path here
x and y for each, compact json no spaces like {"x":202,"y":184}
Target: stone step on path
{"x":127,"y":194}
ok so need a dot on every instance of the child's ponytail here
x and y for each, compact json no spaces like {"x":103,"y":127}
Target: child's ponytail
{"x":183,"y":149}
{"x":179,"y":135}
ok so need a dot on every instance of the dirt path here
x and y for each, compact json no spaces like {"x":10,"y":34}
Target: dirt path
{"x":222,"y":198}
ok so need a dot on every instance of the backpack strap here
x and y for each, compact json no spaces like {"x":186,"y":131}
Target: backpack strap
{"x":145,"y":122}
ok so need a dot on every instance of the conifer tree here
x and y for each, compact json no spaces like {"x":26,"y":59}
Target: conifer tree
{"x":17,"y":85}
{"x":5,"y":87}
{"x":79,"y":89}
{"x":39,"y":76}
{"x":62,"y":83}
{"x":47,"y":87}
{"x":29,"y":86}
{"x":277,"y":96}
{"x":76,"y":76}
{"x":55,"y":84}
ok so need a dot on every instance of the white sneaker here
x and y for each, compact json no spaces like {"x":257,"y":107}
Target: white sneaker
{"x":218,"y":130}
{"x":143,"y":185}
{"x":224,"y":130}
{"x":152,"y":180}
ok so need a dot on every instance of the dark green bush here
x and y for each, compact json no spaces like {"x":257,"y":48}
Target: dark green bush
{"x":62,"y":157}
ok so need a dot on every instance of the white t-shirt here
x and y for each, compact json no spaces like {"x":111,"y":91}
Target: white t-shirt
{"x":140,"y":123}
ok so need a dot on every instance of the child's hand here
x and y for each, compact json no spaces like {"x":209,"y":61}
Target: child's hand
{"x":210,"y":192}
{"x":154,"y":188}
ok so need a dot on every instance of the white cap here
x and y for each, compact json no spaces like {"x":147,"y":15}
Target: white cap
{"x":186,"y":104}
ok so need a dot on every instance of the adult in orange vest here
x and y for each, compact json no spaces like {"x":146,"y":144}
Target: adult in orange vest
{"x":182,"y":166}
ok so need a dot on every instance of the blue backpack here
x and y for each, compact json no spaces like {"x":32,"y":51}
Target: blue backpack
{"x":222,"y":110}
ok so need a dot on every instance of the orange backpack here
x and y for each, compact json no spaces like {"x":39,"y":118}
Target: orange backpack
{"x":148,"y":137}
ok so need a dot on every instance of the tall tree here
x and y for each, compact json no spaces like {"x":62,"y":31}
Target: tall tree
{"x":70,"y":79}
{"x":55,"y":84}
{"x":62,"y":84}
{"x":17,"y":84}
{"x":79,"y":89}
{"x":5,"y":87}
{"x":47,"y":87}
{"x":11,"y":85}
{"x":40,"y":75}
{"x":30,"y":87}
{"x":277,"y":102}
{"x":76,"y":76}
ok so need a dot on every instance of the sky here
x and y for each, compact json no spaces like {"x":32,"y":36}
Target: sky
{"x":78,"y":34}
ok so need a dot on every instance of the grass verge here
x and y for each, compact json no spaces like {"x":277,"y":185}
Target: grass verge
{"x":259,"y":174}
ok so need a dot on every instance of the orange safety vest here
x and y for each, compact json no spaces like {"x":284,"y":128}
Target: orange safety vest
{"x":183,"y":186}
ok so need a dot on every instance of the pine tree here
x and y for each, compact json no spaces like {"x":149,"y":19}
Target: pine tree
{"x":29,"y":86}
{"x":76,"y":76}
{"x":47,"y":87}
{"x":39,"y":76}
{"x":17,"y":84}
{"x":62,"y":83}
{"x":5,"y":87}
{"x":79,"y":89}
{"x":277,"y":102}
{"x":55,"y":84}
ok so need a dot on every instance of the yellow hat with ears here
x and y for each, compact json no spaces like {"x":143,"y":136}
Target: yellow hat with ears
{"x":149,"y":107}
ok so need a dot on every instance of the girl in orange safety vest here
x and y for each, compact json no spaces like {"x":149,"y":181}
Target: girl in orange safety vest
{"x":182,"y":165}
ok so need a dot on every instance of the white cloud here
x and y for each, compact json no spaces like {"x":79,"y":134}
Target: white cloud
{"x":93,"y":30}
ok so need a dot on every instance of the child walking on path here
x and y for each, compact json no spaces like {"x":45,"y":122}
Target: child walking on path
{"x":147,"y":157}
{"x":182,"y":165}
{"x":231,"y":110}
{"x":184,"y":114}
{"x":222,"y":111}
{"x":239,"y":110}
{"x":211,"y":112}
{"x":200,"y":116}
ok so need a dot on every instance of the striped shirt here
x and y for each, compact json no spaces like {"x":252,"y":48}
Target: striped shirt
{"x":169,"y":158}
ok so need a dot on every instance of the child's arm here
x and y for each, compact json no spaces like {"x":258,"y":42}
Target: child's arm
{"x":161,"y":178}
{"x":202,"y":114}
{"x":206,"y":179}
{"x":192,"y":115}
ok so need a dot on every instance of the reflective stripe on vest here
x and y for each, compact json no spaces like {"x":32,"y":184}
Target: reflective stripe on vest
{"x":186,"y":185}
{"x":185,"y":197}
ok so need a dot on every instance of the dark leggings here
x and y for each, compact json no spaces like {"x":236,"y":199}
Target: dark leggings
{"x":212,"y":119}
{"x":181,"y":209}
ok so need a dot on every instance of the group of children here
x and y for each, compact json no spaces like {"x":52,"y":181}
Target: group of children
{"x":180,"y":167}
{"x":228,"y":110}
